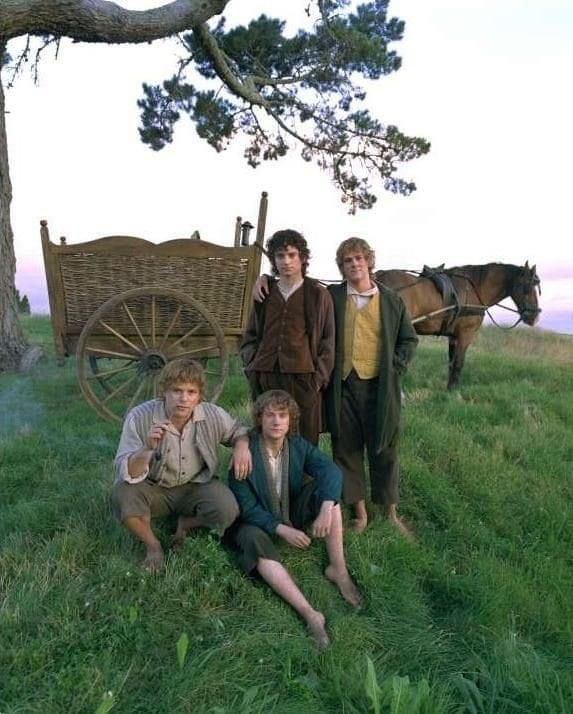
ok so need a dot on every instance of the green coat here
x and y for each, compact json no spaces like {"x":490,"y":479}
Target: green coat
{"x":399,"y":342}
{"x":252,"y":493}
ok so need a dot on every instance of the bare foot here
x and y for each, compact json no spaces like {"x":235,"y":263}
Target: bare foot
{"x":358,"y":525}
{"x":316,"y":624}
{"x":360,"y":521}
{"x":400,"y":525}
{"x":344,"y":583}
{"x":154,"y":560}
{"x":184,"y":525}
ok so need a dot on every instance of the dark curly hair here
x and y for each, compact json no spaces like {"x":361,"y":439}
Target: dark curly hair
{"x":288,"y":237}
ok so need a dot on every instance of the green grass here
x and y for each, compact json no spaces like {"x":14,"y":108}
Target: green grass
{"x":475,"y":616}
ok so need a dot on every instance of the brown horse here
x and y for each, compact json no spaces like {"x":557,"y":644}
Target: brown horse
{"x":453,"y":302}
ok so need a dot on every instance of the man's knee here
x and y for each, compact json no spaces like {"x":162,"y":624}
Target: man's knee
{"x":128,"y":501}
{"x":219,"y":509}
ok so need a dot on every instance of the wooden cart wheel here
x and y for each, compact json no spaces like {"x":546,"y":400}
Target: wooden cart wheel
{"x":128,"y":340}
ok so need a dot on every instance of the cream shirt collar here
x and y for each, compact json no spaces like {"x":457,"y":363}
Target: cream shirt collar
{"x":372,"y":290}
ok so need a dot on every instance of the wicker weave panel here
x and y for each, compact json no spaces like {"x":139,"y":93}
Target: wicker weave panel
{"x":89,"y":280}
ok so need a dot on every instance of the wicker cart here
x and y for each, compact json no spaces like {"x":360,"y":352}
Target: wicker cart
{"x":126,"y":307}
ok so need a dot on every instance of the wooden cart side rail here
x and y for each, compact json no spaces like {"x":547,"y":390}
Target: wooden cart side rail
{"x":55,"y":294}
{"x":129,"y":245}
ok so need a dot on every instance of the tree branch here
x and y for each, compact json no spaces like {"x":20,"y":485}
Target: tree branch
{"x":242,"y":88}
{"x":101,"y":20}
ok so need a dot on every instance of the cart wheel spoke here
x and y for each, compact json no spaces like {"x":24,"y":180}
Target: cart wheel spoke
{"x":196,"y":353}
{"x":153,"y":323}
{"x":102,"y":375}
{"x":135,"y":325}
{"x":171,"y":326}
{"x":193,"y":331}
{"x":99,"y":352}
{"x":119,"y":336}
{"x":139,"y":392}
{"x":119,"y":390}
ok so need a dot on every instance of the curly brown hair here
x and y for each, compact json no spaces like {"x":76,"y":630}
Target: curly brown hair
{"x":276,"y":399}
{"x":183,"y":369}
{"x":355,"y":245}
{"x":281,"y":240}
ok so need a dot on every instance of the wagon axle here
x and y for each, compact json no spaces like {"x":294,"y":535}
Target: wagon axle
{"x":151,"y":362}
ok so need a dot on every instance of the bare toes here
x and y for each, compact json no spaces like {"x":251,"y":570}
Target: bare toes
{"x":345,"y":586}
{"x":358,"y":525}
{"x":153,"y":561}
{"x":316,"y":625}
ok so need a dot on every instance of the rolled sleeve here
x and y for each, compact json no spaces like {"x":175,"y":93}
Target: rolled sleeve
{"x":129,"y":442}
{"x":232,"y":429}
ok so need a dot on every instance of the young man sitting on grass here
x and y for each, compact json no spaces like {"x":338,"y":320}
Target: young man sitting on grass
{"x":166,"y":461}
{"x":274,"y":500}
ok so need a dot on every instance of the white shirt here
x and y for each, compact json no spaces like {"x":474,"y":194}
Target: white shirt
{"x":361,"y":299}
{"x":275,"y":464}
{"x":286,"y":291}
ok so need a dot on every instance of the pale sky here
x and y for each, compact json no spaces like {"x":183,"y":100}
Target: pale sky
{"x":485,"y":81}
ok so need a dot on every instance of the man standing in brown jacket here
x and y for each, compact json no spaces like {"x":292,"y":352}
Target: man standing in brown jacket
{"x":289,"y":340}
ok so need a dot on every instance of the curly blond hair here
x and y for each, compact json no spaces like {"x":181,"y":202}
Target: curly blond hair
{"x":355,"y":245}
{"x":183,"y":369}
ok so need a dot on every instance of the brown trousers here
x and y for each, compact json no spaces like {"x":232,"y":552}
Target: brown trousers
{"x":212,"y":502}
{"x":357,"y":432}
{"x":302,"y":389}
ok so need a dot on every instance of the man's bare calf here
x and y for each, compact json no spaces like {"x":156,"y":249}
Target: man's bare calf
{"x":140,"y":526}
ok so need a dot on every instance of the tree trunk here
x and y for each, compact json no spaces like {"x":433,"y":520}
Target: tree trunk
{"x":12,"y":341}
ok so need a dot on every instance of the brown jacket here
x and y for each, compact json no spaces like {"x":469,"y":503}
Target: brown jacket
{"x":319,"y":321}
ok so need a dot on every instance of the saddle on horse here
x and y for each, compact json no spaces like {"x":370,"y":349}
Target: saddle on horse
{"x":444,"y":285}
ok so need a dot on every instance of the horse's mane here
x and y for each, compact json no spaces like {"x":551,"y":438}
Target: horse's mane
{"x":473,"y":269}
{"x":478,"y":272}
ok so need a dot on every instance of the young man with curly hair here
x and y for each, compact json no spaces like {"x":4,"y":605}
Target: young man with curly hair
{"x":278,"y":499}
{"x":289,"y":340}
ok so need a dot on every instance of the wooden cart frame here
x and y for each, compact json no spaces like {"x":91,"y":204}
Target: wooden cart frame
{"x":126,"y":307}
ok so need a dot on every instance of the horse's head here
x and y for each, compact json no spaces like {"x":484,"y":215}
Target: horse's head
{"x":524,"y":291}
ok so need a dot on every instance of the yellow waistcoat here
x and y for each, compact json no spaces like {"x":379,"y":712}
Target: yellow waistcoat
{"x":362,"y":338}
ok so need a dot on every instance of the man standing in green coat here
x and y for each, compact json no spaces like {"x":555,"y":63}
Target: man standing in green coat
{"x":375,"y":341}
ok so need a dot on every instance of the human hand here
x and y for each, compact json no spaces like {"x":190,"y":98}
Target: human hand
{"x":293,"y":536}
{"x":260,"y":288}
{"x":242,"y":460}
{"x":156,"y":434}
{"x":323,"y":522}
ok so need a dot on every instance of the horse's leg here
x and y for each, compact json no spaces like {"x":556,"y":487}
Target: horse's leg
{"x":463,"y":339}
{"x":452,"y":343}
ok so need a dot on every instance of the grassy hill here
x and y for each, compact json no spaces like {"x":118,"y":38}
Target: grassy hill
{"x":475,"y":616}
